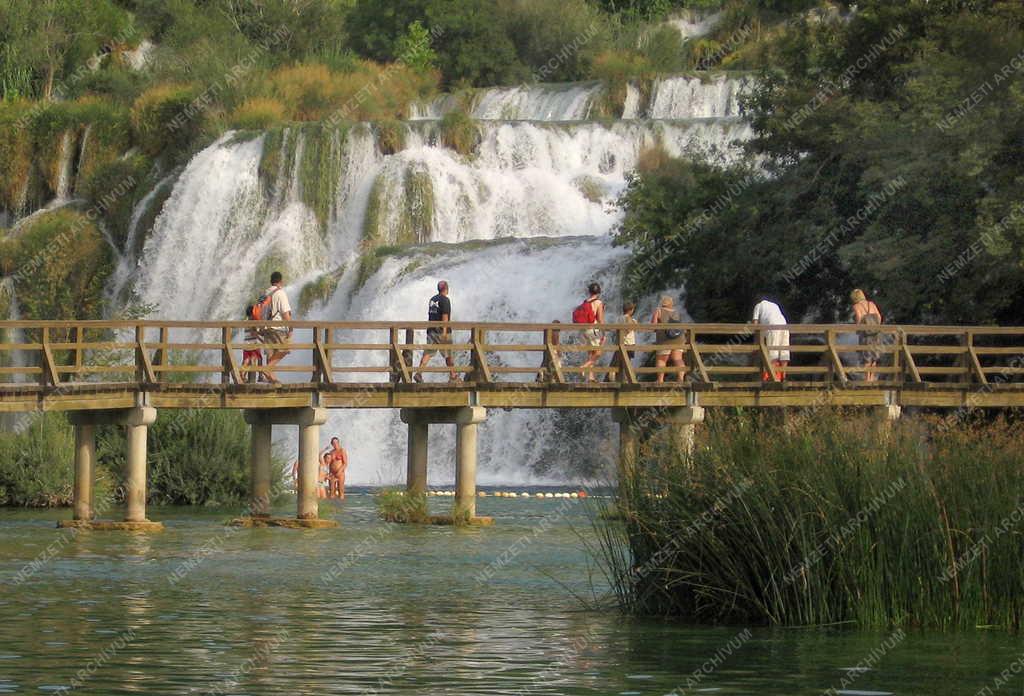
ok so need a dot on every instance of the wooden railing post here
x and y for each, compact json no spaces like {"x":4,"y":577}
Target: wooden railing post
{"x":399,"y":367}
{"x":554,"y":361}
{"x":144,"y":373}
{"x":160,"y":357}
{"x":79,"y":358}
{"x":321,"y":363}
{"x":481,"y":372}
{"x":229,"y":366}
{"x":837,"y":362}
{"x":49,"y":375}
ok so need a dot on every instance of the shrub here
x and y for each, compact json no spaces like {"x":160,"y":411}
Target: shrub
{"x":15,"y":154}
{"x":258,"y":114}
{"x":61,"y":263}
{"x":196,"y":457}
{"x":400,"y":506}
{"x":101,"y":189}
{"x":36,"y":464}
{"x":371,"y":91}
{"x":390,"y":136}
{"x":459,"y":132}
{"x":166,"y":120}
{"x":318,"y":291}
{"x":616,"y":69}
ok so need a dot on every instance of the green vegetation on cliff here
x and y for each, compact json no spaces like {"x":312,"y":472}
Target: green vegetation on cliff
{"x":60,"y":263}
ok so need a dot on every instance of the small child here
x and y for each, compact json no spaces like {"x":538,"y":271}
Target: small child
{"x":628,"y":339}
{"x":251,"y":358}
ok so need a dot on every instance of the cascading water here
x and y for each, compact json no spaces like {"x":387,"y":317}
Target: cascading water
{"x":65,"y":168}
{"x":713,"y":98}
{"x":518,"y":228}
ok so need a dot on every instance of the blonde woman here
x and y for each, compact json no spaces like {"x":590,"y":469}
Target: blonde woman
{"x":866,"y":312}
{"x":666,"y":314}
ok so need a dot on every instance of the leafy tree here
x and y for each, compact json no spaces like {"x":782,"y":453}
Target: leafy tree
{"x":414,"y":48}
{"x":892,"y":143}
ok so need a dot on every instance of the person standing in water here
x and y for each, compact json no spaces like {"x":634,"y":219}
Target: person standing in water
{"x":336,"y":460}
{"x":439,"y":309}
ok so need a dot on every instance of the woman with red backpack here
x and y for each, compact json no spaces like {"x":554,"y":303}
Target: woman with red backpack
{"x":591,"y":311}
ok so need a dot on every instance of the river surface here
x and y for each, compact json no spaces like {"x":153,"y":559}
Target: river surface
{"x":381,"y":608}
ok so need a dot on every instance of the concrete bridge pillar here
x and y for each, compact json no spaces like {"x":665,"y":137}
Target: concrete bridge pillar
{"x":628,"y":438}
{"x":683,"y":422}
{"x":261,"y":445}
{"x":262,"y":421}
{"x":466,"y":420}
{"x":137,"y":421}
{"x":85,"y":471}
{"x":465,"y":459}
{"x":309,"y":422}
{"x":416,"y":473}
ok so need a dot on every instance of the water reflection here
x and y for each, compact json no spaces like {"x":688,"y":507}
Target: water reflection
{"x":374,"y":608}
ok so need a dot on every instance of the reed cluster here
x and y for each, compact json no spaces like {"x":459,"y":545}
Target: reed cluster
{"x":825,"y":520}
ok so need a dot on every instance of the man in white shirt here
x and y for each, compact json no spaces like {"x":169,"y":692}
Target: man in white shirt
{"x":768,"y":313}
{"x":280,"y":310}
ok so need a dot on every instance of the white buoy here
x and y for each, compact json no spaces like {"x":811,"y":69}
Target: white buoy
{"x":549,"y":495}
{"x":574,"y":495}
{"x":481,"y":494}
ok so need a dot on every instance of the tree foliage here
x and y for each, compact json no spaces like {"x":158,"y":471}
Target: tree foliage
{"x":892,"y":144}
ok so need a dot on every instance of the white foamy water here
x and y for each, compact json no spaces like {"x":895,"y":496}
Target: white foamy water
{"x":673,"y":98}
{"x":201,"y":258}
{"x":518,"y":227}
{"x":696,"y":98}
{"x":535,"y":102}
{"x":536,"y":280}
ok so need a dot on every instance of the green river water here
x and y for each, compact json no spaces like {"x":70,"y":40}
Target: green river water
{"x":380,"y":608}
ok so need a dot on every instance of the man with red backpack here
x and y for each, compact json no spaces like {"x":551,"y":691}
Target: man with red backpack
{"x":274,"y":306}
{"x":591,"y":311}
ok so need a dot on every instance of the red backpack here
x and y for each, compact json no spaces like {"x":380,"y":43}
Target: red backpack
{"x":584,"y":314}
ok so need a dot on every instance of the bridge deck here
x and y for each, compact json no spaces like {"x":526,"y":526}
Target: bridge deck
{"x":65,"y":366}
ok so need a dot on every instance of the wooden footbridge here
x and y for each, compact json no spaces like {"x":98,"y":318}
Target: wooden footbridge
{"x":125,"y":372}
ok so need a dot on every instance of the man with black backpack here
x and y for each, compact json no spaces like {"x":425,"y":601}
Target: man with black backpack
{"x":273,"y":305}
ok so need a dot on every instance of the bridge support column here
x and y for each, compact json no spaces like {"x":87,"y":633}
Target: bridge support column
{"x":466,"y":420}
{"x":85,"y":468}
{"x":416,"y":473}
{"x":309,"y":424}
{"x":683,"y":422}
{"x":137,"y":421}
{"x":627,"y":442}
{"x":465,"y":460}
{"x":261,"y":444}
{"x":307,"y":514}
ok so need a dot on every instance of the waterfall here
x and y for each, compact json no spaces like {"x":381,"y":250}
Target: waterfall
{"x":528,"y":102}
{"x":82,"y":150}
{"x":518,"y":227}
{"x":535,"y":280}
{"x":65,"y":165}
{"x":673,"y":98}
{"x":697,"y":98}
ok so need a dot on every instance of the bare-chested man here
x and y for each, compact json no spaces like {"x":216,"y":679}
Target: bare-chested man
{"x":336,"y":459}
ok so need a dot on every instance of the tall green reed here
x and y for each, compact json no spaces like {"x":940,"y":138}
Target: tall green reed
{"x":825,"y":520}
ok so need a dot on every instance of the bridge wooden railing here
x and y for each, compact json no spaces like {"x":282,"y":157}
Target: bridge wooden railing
{"x":323,"y":353}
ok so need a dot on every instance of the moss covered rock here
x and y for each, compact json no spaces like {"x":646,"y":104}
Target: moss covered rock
{"x":60,"y":265}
